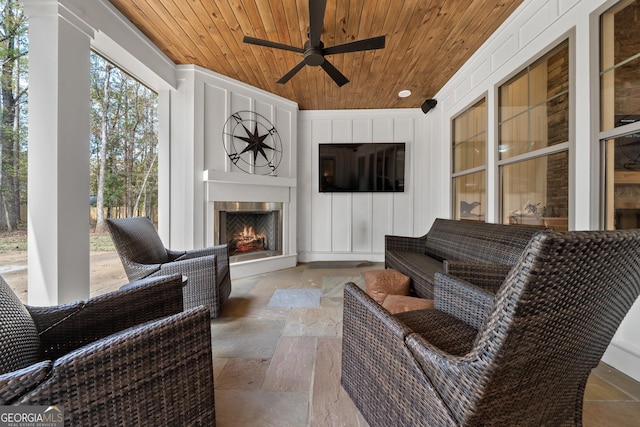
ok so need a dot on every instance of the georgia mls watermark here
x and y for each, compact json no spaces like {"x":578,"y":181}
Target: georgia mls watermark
{"x":31,"y":416}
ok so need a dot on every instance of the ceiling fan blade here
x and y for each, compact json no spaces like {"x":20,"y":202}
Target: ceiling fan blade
{"x":316,"y":18}
{"x":267,"y":43}
{"x":333,"y":72}
{"x":291,"y":73}
{"x":356,"y":46}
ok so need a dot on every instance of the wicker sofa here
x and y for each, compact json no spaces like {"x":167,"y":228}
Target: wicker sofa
{"x":479,"y":252}
{"x":519,"y":358}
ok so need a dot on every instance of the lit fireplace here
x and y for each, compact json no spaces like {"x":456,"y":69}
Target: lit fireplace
{"x":251,"y":230}
{"x":247,"y":241}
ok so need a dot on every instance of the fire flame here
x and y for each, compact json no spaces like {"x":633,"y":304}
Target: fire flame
{"x":248,"y":235}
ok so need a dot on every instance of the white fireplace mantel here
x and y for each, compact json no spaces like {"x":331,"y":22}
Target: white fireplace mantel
{"x":246,"y":178}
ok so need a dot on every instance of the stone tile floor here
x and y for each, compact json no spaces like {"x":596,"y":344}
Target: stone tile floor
{"x":279,"y":366}
{"x":277,"y":360}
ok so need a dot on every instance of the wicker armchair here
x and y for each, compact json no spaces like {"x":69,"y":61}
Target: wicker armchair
{"x":130,"y":357}
{"x":520,"y":358}
{"x":143,"y":254}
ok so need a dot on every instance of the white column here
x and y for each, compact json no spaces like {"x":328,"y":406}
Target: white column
{"x":164,"y":165}
{"x":59,"y":113}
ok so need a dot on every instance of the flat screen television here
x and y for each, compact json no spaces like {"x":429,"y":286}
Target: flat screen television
{"x":362,"y":167}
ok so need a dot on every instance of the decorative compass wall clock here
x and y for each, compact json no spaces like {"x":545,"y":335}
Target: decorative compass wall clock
{"x":252,"y":143}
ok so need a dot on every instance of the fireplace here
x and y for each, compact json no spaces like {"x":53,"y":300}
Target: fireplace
{"x":270,"y":200}
{"x":252,"y":230}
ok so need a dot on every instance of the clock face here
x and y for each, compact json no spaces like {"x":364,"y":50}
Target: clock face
{"x":252,"y":143}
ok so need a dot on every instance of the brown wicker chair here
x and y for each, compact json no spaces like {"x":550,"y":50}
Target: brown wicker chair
{"x":130,"y":357}
{"x":143,"y":254}
{"x":521,"y":357}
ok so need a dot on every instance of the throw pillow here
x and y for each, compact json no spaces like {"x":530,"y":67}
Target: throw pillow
{"x":380,"y":283}
{"x":399,"y":303}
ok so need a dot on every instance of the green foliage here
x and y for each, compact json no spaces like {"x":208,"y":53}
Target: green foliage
{"x":101,"y":243}
{"x":13,"y":110}
{"x":14,"y":241}
{"x":131,"y":140}
{"x":130,"y":120}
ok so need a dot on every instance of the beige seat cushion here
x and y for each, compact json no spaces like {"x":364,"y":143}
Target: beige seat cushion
{"x":400,"y":303}
{"x":380,"y":283}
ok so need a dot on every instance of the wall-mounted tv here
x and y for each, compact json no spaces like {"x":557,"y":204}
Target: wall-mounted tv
{"x":365,"y":167}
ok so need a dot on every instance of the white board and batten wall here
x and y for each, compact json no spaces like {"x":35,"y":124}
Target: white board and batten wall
{"x":202,"y":173}
{"x":352,"y":226}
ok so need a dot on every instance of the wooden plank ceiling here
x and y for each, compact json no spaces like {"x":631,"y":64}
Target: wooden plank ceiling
{"x":427,"y":41}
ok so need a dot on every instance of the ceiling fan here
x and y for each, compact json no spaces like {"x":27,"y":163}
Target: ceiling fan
{"x":314,"y":50}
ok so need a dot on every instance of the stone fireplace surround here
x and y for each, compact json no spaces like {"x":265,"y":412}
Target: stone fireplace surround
{"x":240,"y":187}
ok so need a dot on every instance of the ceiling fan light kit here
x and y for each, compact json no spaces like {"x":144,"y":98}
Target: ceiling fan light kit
{"x":314,"y":52}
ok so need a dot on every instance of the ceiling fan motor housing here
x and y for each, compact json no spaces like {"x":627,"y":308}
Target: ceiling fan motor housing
{"x":313,"y":55}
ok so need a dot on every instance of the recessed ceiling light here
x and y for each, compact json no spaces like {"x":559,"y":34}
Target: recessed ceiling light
{"x":404,"y":93}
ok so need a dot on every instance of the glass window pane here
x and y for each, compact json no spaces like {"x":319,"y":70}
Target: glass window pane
{"x":469,"y":138}
{"x":534,"y":106}
{"x":626,"y":31}
{"x":470,"y":196}
{"x":470,"y":154}
{"x":514,"y":137}
{"x":620,"y":64}
{"x":622,"y":182}
{"x":549,"y":77}
{"x":536,"y":191}
{"x":549,"y":123}
{"x":620,"y":92}
{"x":538,"y":84}
{"x":557,"y":110}
{"x":514,"y":96}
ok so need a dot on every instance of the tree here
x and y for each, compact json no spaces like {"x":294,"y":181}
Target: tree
{"x":104,"y":125}
{"x":123,"y":143}
{"x":13,"y":50}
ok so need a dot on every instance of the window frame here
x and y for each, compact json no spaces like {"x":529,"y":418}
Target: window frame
{"x":613,"y":133}
{"x":466,"y":172}
{"x":547,"y":151}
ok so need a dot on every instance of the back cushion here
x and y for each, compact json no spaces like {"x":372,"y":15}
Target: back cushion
{"x":19,"y":340}
{"x":477,"y":241}
{"x":137,"y":240}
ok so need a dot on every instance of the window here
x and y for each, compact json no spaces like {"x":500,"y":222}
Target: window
{"x":469,"y":163}
{"x":534,"y":142}
{"x":620,"y":113}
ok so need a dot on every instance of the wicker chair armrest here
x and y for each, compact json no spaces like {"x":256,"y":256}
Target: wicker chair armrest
{"x":220,"y":251}
{"x":461,"y":299}
{"x":447,"y":373}
{"x":15,"y":384}
{"x":485,"y":275}
{"x":67,"y":327}
{"x":174,"y":255}
{"x":402,"y":243}
{"x":360,"y":308}
{"x":166,"y":364}
{"x":222,"y":254}
{"x":137,"y":271}
{"x":196,"y":253}
{"x":192,"y":266}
